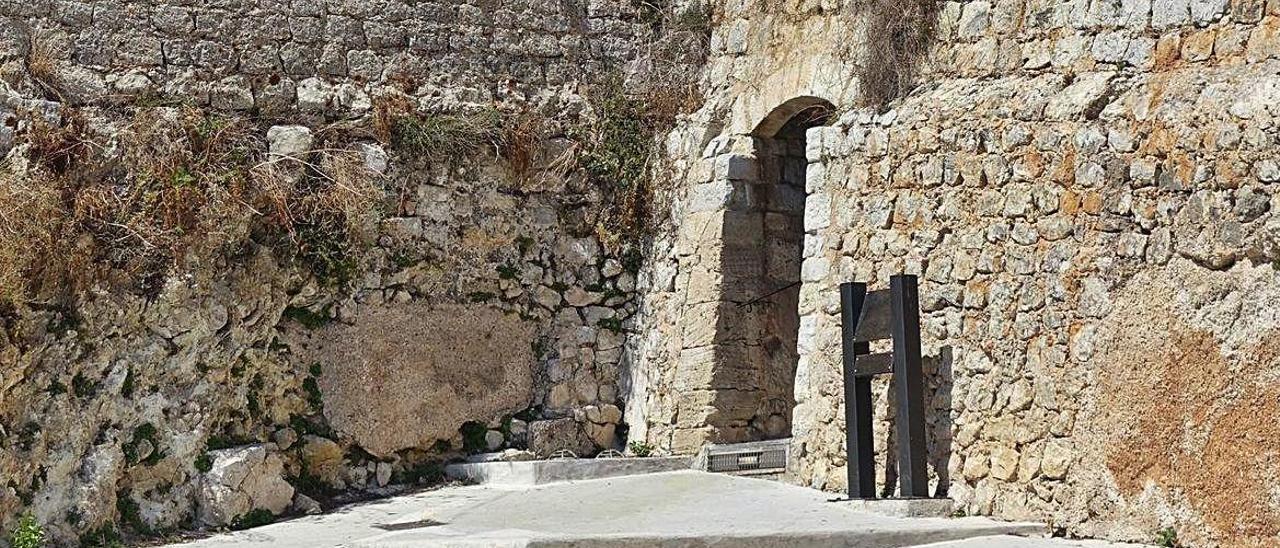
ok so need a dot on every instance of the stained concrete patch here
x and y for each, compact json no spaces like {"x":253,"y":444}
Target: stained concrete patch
{"x":1185,"y":412}
{"x":542,"y":472}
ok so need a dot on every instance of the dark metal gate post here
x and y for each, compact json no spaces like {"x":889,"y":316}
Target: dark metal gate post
{"x":867,"y":317}
{"x":913,"y":478}
{"x":860,"y":456}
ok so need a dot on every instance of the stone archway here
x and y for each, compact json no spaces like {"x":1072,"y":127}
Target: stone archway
{"x":736,"y":374}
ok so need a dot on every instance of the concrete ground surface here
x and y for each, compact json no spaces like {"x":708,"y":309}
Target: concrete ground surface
{"x":1009,"y":541}
{"x":670,"y":510}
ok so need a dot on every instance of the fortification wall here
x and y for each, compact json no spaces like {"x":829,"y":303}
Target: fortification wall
{"x":475,"y":305}
{"x":1085,"y":187}
{"x":1087,"y":190}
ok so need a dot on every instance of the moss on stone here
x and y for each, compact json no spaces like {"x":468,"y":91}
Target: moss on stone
{"x":473,"y":436}
{"x":308,"y":318}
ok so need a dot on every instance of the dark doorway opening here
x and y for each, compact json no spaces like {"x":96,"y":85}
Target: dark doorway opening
{"x":783,"y":167}
{"x":758,"y":327}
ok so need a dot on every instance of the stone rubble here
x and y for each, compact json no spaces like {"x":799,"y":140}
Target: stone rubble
{"x":241,"y":480}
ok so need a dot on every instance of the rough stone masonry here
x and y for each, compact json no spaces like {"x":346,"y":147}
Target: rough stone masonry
{"x":1087,"y":189}
{"x":485,"y":314}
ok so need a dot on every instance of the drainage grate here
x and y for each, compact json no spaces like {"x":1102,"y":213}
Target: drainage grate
{"x":768,"y":457}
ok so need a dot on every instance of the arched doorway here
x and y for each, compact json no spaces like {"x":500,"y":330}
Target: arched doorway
{"x":763,"y":247}
{"x":781,"y":154}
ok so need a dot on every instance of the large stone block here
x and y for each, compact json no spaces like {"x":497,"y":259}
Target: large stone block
{"x":406,"y":376}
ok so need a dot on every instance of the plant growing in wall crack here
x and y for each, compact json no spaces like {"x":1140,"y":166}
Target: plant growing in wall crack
{"x":898,"y":35}
{"x":28,"y":533}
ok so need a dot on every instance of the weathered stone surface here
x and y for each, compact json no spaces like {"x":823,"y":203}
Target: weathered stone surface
{"x":289,"y":141}
{"x":1052,"y":156}
{"x":241,"y":480}
{"x":493,"y":440}
{"x":201,"y":356}
{"x":549,"y":436}
{"x":405,"y":376}
{"x":322,"y":458}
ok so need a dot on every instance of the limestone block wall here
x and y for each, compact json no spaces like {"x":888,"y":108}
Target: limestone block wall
{"x":1097,"y":243}
{"x":320,"y":56}
{"x":1087,"y":191}
{"x":482,"y":294}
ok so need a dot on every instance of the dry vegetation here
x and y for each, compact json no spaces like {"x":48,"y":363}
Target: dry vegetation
{"x":620,"y":153}
{"x":435,"y":137}
{"x":41,"y":63}
{"x":174,"y":185}
{"x":899,"y":34}
{"x":161,"y":189}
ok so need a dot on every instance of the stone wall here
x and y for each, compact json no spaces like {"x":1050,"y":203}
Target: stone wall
{"x":320,"y":57}
{"x":484,"y":292}
{"x":1087,"y":191}
{"x":1041,"y":241}
{"x":1085,"y":187}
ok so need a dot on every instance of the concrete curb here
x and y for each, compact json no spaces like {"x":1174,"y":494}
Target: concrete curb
{"x":902,"y":508}
{"x":541,"y":472}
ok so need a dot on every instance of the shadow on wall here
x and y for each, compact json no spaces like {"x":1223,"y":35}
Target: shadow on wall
{"x":939,"y":380}
{"x":758,"y":323}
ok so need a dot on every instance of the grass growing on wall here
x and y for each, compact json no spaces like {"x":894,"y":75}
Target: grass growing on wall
{"x":435,"y":136}
{"x":899,"y":34}
{"x":620,"y":151}
{"x":171,"y":184}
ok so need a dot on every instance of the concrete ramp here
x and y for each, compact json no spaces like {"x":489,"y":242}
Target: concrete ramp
{"x":669,"y":510}
{"x":677,"y":509}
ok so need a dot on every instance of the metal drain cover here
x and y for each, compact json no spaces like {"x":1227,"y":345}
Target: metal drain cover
{"x":763,"y":457}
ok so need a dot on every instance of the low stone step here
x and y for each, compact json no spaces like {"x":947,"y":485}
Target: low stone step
{"x":541,"y":472}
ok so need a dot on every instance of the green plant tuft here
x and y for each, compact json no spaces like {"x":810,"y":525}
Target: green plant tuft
{"x":473,"y":436}
{"x":481,"y":297}
{"x":424,"y":473}
{"x":326,"y":250}
{"x":204,"y":463}
{"x":508,"y":272}
{"x":127,"y":387}
{"x":623,"y":143}
{"x":254,"y":518}
{"x":611,"y":324}
{"x":28,"y":534}
{"x":640,"y":449}
{"x":147,"y":432}
{"x":1167,"y":538}
{"x":306,"y":318}
{"x":315,"y":398}
{"x":131,"y":515}
{"x":83,"y":387}
{"x":102,"y":536}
